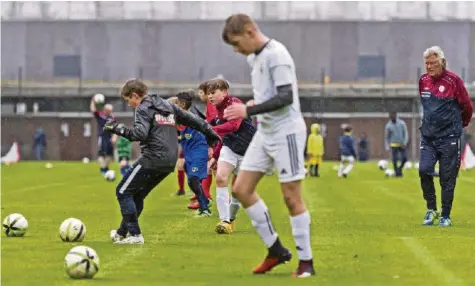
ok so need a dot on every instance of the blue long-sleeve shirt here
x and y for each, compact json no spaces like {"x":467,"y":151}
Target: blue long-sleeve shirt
{"x":396,"y":134}
{"x":347,"y":145}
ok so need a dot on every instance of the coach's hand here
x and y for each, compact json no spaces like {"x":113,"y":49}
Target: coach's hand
{"x":235,"y":111}
{"x":112,"y":126}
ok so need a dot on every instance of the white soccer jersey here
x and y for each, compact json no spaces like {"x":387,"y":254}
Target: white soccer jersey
{"x":264,"y":84}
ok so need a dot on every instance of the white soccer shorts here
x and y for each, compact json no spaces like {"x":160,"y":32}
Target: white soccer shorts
{"x":227,"y":155}
{"x":283,"y":151}
{"x":349,"y":159}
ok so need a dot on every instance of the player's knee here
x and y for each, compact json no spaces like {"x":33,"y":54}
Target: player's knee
{"x":221,"y":180}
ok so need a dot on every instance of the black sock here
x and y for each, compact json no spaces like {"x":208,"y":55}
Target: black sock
{"x":276,"y":249}
{"x":316,"y":171}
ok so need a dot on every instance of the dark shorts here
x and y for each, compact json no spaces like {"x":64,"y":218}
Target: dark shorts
{"x":139,"y":181}
{"x":105,"y":147}
{"x":197,"y":167}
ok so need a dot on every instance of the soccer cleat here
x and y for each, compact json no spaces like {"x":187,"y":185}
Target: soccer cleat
{"x":115,"y":236}
{"x":445,"y":221}
{"x":196,"y":205}
{"x":224,"y":227}
{"x":430,"y":217}
{"x":304,"y":270}
{"x":180,"y":192}
{"x":133,"y":239}
{"x":272,"y":261}
{"x":202,"y":213}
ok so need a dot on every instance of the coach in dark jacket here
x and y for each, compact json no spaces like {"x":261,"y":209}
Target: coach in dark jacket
{"x":447,"y":110}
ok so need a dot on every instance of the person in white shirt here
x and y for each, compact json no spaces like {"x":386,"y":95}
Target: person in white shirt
{"x":278,"y":143}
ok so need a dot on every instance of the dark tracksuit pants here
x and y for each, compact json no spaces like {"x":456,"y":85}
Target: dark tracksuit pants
{"x":447,"y":151}
{"x":131,"y":192}
{"x":398,"y":153}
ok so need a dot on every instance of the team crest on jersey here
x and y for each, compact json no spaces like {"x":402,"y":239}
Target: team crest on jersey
{"x":194,"y":169}
{"x":441,"y":88}
{"x":188,"y":136}
{"x":167,"y":120}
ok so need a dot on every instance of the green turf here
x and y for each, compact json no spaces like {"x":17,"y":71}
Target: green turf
{"x":366,"y":231}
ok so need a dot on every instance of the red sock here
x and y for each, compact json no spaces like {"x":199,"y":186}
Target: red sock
{"x":181,"y":179}
{"x":206,"y":184}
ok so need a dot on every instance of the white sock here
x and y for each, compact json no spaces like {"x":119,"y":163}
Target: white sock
{"x":234,"y":208}
{"x":222,"y":201}
{"x":301,"y":231}
{"x":348,"y":169}
{"x":340,"y":169}
{"x":260,"y":219}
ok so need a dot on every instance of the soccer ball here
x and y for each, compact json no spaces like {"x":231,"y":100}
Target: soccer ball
{"x":72,"y":230}
{"x":389,"y":173}
{"x":81,"y":262}
{"x":110,"y":175}
{"x":408,"y":165}
{"x":85,"y":160}
{"x":99,"y":98}
{"x":15,"y":225}
{"x":383,"y":164}
{"x":416,"y":165}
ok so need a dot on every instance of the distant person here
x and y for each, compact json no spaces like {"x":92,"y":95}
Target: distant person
{"x":347,"y":152}
{"x":315,"y":150}
{"x":396,"y":138}
{"x":104,"y":140}
{"x":39,"y":143}
{"x":447,"y":110}
{"x":363,"y":148}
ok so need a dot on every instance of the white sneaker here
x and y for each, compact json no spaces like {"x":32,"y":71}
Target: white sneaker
{"x":115,"y":236}
{"x":133,"y":239}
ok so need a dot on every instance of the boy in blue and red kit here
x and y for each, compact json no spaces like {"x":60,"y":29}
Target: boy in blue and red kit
{"x":196,"y":154}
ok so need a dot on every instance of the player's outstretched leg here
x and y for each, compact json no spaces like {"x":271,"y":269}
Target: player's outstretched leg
{"x":222,"y":196}
{"x":195,"y":186}
{"x":300,"y":222}
{"x":257,"y":210}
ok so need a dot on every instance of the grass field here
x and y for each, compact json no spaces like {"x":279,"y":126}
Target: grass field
{"x":366,"y":231}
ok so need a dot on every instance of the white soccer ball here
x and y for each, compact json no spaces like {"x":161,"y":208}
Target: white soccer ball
{"x":85,"y":160}
{"x":110,"y":175}
{"x":99,"y":98}
{"x":48,"y":165}
{"x":72,"y":230}
{"x":408,"y":165}
{"x":383,"y":164}
{"x":81,"y":262}
{"x":15,"y":225}
{"x":389,"y":173}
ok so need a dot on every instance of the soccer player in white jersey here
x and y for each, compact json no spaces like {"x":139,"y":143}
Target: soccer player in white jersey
{"x":278,"y":143}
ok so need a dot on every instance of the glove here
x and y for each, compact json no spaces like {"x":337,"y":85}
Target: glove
{"x":212,"y":138}
{"x":113,"y":127}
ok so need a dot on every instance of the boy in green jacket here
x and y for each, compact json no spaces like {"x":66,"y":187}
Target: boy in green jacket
{"x":124,"y":150}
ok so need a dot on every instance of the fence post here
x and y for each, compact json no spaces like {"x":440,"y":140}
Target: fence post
{"x":463,"y":74}
{"x":80,"y":82}
{"x":20,"y":80}
{"x":141,"y":73}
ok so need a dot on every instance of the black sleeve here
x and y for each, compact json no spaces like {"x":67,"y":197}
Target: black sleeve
{"x":188,"y":119}
{"x":283,"y":98}
{"x":139,"y":131}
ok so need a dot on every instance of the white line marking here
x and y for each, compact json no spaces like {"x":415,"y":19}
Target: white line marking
{"x":426,"y":258}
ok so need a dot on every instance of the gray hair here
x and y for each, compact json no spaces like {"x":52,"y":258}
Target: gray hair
{"x":437,"y":52}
